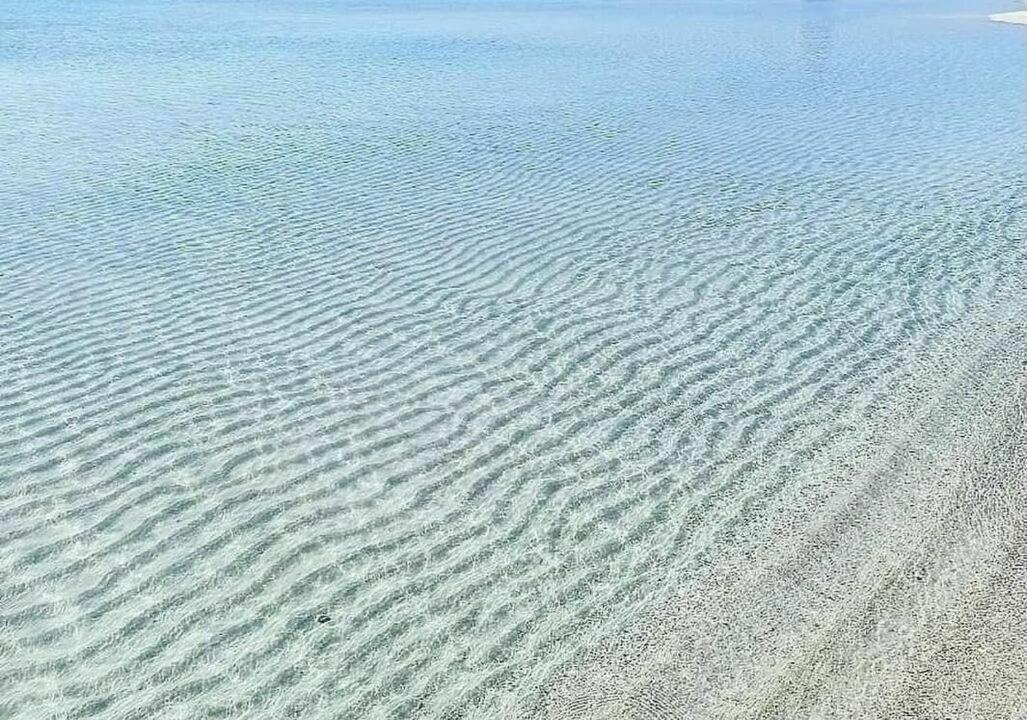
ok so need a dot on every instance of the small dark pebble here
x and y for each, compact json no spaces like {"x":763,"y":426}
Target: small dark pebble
{"x":323,"y":618}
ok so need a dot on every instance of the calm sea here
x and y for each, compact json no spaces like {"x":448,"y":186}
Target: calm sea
{"x":385,"y":359}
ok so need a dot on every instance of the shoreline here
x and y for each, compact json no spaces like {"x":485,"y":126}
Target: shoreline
{"x":866,"y":600}
{"x":1017,"y":17}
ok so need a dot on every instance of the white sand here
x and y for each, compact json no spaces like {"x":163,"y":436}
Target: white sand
{"x":900,"y":597}
{"x":1017,"y":18}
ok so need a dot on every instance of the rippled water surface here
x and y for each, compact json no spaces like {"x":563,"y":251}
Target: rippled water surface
{"x":386,"y":359}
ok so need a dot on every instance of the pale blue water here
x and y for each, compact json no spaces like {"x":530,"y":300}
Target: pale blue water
{"x":466,"y":328}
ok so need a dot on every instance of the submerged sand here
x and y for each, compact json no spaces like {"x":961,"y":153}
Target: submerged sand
{"x":1018,"y":17}
{"x":894,"y":586}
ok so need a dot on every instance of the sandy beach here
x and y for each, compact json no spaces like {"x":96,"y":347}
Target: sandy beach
{"x":1018,"y":17}
{"x":1014,"y":16}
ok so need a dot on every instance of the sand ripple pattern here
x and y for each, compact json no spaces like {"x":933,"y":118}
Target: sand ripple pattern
{"x":377,"y":361}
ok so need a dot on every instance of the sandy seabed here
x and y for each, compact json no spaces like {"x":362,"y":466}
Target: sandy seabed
{"x":383,"y":360}
{"x":900,"y":594}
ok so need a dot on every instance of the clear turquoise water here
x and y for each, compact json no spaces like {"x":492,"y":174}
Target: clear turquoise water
{"x":466,"y":326}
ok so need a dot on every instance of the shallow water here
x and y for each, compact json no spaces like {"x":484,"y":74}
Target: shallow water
{"x":384,"y":359}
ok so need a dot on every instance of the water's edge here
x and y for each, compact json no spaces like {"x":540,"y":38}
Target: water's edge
{"x":892,"y":585}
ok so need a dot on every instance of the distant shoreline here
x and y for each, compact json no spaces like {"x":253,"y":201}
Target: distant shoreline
{"x":1018,"y":17}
